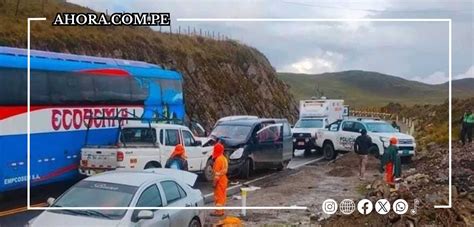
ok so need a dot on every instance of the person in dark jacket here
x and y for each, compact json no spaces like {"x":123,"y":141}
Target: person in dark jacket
{"x":361,"y":147}
{"x":467,"y":125}
{"x":391,"y":162}
{"x":177,"y":159}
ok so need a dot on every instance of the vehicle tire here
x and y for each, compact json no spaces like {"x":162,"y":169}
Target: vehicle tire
{"x":151,"y":165}
{"x":208,"y":173}
{"x":283,"y":165}
{"x":374,"y":150}
{"x":307,"y":152}
{"x":406,"y":159}
{"x":195,"y":222}
{"x":329,"y":152}
{"x":246,"y":169}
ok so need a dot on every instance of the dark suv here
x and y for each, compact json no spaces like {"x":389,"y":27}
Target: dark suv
{"x":252,"y":144}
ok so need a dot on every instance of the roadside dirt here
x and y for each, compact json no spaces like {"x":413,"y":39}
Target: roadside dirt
{"x":309,"y":187}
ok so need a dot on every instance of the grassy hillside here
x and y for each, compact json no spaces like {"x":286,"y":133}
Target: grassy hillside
{"x":362,"y":88}
{"x":220,"y":77}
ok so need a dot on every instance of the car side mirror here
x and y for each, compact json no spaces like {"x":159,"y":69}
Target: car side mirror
{"x":197,"y":143}
{"x":145,"y":214}
{"x":50,"y":201}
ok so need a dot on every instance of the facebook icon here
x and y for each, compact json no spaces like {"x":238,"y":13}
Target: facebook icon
{"x":365,"y":206}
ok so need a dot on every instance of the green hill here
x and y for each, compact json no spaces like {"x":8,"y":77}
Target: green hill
{"x":363,"y":88}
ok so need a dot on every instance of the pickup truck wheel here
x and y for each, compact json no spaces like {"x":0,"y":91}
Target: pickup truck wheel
{"x":151,"y":165}
{"x":245,"y":171}
{"x":374,"y":150}
{"x":208,"y":173}
{"x":307,"y":152}
{"x":329,"y":152}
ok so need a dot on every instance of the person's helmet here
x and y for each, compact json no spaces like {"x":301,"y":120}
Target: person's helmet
{"x":393,"y":140}
{"x":363,"y":131}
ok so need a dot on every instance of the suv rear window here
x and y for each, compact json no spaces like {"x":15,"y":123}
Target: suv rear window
{"x":138,"y":135}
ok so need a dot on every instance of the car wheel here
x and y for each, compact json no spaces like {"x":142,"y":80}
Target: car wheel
{"x":208,"y":173}
{"x":151,"y":165}
{"x":374,"y":150}
{"x":329,"y":152}
{"x":245,"y":171}
{"x":195,"y":223}
{"x":307,"y":152}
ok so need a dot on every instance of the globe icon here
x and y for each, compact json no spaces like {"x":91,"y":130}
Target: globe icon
{"x":347,"y":206}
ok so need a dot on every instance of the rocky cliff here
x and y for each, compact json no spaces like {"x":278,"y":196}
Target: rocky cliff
{"x":221,"y":78}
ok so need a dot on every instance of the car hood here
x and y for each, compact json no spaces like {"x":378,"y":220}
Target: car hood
{"x":58,"y":219}
{"x":305,"y":130}
{"x":398,"y":135}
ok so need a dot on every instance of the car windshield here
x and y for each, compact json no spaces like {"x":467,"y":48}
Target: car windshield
{"x":309,"y":123}
{"x":96,"y":194}
{"x":138,"y":135}
{"x":234,"y":132}
{"x":380,"y":127}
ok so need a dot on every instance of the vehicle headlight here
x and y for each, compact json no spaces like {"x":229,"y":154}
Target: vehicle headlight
{"x":385,"y":141}
{"x":294,"y":140}
{"x":237,"y":153}
{"x":306,"y":140}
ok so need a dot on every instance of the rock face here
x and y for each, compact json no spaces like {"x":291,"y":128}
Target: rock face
{"x":221,"y":78}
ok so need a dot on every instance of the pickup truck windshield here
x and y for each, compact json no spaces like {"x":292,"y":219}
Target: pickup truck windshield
{"x":138,"y":135}
{"x":234,"y":132}
{"x":97,"y":194}
{"x":309,"y":123}
{"x":380,"y":127}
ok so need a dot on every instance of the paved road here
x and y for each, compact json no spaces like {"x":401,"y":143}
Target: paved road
{"x":12,"y":211}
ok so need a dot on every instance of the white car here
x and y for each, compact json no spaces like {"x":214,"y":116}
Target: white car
{"x":341,"y":136}
{"x":151,"y":188}
{"x":143,"y":146}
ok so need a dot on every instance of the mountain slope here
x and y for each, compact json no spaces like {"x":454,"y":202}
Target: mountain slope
{"x":220,"y":77}
{"x":362,"y":88}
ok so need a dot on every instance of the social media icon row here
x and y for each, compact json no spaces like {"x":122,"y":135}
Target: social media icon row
{"x":365,"y":206}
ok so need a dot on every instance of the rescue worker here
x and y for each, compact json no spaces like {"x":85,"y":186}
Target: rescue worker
{"x":391,"y":163}
{"x":467,"y":125}
{"x":177,"y":159}
{"x":361,"y":147}
{"x":219,"y":168}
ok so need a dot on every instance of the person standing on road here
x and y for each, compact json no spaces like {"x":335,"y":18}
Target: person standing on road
{"x":220,"y":178}
{"x":177,"y":159}
{"x":467,"y":125}
{"x":395,"y":125}
{"x":391,"y":163}
{"x":361,"y":147}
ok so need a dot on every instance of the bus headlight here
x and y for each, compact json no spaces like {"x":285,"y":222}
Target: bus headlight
{"x":237,"y":153}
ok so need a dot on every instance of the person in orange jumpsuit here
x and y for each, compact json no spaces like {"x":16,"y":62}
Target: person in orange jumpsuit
{"x":220,"y":178}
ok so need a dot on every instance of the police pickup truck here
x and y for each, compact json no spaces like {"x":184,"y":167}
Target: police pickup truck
{"x":340,"y":137}
{"x":143,"y":146}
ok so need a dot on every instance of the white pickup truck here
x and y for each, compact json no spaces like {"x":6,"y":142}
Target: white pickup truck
{"x":340,"y":137}
{"x":143,"y":146}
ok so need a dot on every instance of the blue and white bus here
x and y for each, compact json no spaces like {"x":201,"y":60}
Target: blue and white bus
{"x":66,"y":92}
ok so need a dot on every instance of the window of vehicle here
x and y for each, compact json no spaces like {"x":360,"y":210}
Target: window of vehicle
{"x":112,"y":89}
{"x":97,"y":194}
{"x":347,"y":126}
{"x":269,"y":133}
{"x":172,"y":137}
{"x":358,"y":127}
{"x":162,"y":135}
{"x":188,"y":138}
{"x":380,"y":127}
{"x":334,"y":126}
{"x":173,"y":191}
{"x":138,"y":135}
{"x":151,"y":197}
{"x":239,"y":133}
{"x":309,"y":123}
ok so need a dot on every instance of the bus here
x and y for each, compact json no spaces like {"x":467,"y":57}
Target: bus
{"x":73,"y":97}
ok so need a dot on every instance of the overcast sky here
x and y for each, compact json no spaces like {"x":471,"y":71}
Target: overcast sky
{"x":412,"y":50}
